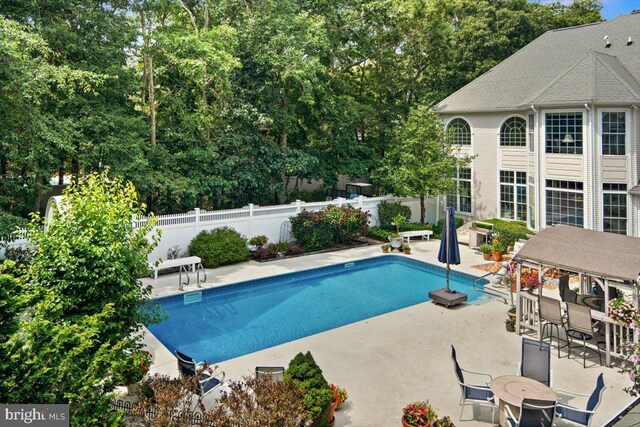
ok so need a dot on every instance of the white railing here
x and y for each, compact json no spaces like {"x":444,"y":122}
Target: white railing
{"x":615,"y":333}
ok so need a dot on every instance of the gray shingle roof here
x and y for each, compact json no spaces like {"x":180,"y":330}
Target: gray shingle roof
{"x":570,"y":65}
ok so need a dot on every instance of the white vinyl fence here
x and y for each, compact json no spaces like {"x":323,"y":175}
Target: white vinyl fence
{"x":271,"y":221}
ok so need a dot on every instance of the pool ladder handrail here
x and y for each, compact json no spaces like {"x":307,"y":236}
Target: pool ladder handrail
{"x":493,"y":294}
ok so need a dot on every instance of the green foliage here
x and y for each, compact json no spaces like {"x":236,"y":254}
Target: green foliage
{"x":437,"y":229}
{"x":319,"y":195}
{"x":379,"y":233}
{"x":318,"y":230}
{"x":281,"y":246}
{"x":387,"y":211}
{"x":10,"y":223}
{"x":305,"y":373}
{"x":498,"y":246}
{"x":509,"y":232}
{"x":258,"y":241}
{"x":485,"y":248}
{"x":220,"y":246}
{"x":19,"y":254}
{"x":86,"y":304}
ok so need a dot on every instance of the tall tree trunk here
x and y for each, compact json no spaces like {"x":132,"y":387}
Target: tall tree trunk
{"x":423,"y":208}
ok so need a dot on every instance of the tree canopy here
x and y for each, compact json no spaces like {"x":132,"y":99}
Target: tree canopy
{"x":218,"y":103}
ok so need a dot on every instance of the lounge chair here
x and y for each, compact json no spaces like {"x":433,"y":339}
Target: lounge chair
{"x":581,"y":417}
{"x":533,"y":413}
{"x":472,"y":394}
{"x":580,"y":325}
{"x":274,"y":372}
{"x":535,"y":362}
{"x":206,"y":381}
{"x":550,"y":312}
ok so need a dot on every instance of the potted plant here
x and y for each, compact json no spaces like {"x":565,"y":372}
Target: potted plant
{"x":385,"y":248}
{"x":339,"y":394}
{"x":444,"y":422}
{"x":510,"y":324}
{"x":486,"y":250}
{"x":395,"y":239}
{"x":139,"y":364}
{"x":257,"y":242}
{"x":406,"y":249}
{"x":497,"y":248}
{"x":418,"y":414}
{"x":512,"y":313}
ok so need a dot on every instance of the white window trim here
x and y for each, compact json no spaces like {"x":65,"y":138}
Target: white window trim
{"x":584,"y":201}
{"x":513,"y":184}
{"x":457,"y":179}
{"x":471,"y":131}
{"x":526,"y":134}
{"x":585,"y":130}
{"x":627,"y":130}
{"x":629,"y":203}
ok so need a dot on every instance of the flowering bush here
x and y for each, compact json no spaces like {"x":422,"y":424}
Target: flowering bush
{"x":530,"y":280}
{"x":339,"y":394}
{"x":151,"y":383}
{"x":139,"y":363}
{"x":419,"y":413}
{"x":319,"y":230}
{"x":622,"y":312}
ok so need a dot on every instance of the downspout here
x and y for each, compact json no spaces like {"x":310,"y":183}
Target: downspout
{"x":536,"y":170}
{"x":593,"y":189}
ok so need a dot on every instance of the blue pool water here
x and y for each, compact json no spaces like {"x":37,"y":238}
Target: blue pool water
{"x":238,"y":319}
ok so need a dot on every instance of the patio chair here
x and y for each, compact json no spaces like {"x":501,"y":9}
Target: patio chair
{"x":550,"y":312}
{"x":566,"y":294}
{"x":533,"y":413}
{"x":581,"y":325}
{"x":273,"y":372}
{"x":536,"y":361}
{"x":581,"y":417}
{"x":473,"y":394}
{"x":206,"y":381}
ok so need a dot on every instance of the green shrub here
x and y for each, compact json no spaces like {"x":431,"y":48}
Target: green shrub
{"x":294,"y":250}
{"x":415,"y":226}
{"x":319,"y":230}
{"x":379,"y":233}
{"x":259,"y":241}
{"x":307,"y":196}
{"x":281,"y":246}
{"x":508,"y":232}
{"x":9,"y":223}
{"x":485,"y":248}
{"x":306,"y":374}
{"x":437,"y":229}
{"x":265,"y":253}
{"x":220,"y":246}
{"x":387,"y":211}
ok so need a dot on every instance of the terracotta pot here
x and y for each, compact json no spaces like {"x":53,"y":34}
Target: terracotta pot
{"x":385,"y":250}
{"x":497,"y":256}
{"x":406,"y":424}
{"x":407,"y":251}
{"x":514,"y":287}
{"x":332,"y":422}
{"x":486,"y":256}
{"x":331,"y":410}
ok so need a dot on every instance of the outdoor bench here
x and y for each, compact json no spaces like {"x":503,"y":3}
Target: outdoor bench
{"x":416,"y":233}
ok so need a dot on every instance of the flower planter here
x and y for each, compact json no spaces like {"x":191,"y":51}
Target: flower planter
{"x":385,"y":250}
{"x":395,"y":242}
{"x":406,"y":424}
{"x":486,"y":256}
{"x":510,"y":327}
{"x":330,"y":412}
{"x":497,"y":256}
{"x":407,"y":251}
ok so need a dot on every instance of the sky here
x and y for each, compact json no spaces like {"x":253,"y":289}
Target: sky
{"x":612,"y":8}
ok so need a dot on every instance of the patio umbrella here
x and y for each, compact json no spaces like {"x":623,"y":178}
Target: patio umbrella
{"x":449,"y":252}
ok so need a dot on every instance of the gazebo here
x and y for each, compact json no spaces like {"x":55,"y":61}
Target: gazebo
{"x":611,"y":260}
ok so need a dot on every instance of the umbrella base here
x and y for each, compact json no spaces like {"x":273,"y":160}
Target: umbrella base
{"x":447,"y":298}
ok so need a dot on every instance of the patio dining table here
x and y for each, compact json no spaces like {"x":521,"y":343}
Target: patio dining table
{"x":511,"y":389}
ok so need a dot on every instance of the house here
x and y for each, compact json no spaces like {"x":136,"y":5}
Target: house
{"x":555,"y":129}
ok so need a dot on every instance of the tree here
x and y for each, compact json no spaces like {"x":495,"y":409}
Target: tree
{"x":421,"y":162}
{"x":87,"y":306}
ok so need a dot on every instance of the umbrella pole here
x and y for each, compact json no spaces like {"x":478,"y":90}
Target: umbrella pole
{"x":448,"y":244}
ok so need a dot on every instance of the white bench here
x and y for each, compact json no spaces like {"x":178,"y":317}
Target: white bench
{"x":192,"y":261}
{"x":416,"y":233}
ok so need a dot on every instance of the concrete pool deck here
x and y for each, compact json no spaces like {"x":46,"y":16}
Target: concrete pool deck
{"x":396,"y":358}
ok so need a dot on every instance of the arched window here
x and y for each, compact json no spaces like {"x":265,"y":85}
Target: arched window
{"x":513,"y":132}
{"x":460,"y":131}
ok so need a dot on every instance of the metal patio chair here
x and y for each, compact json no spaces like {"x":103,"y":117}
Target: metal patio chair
{"x":473,"y":394}
{"x":206,"y":381}
{"x":535,"y":362}
{"x":550,"y":312}
{"x":533,"y":413}
{"x":580,"y":325}
{"x":582,"y":417}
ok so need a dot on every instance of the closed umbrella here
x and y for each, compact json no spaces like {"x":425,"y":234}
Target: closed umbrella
{"x":449,"y":252}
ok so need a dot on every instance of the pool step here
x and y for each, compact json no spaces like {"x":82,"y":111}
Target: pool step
{"x":192,"y":297}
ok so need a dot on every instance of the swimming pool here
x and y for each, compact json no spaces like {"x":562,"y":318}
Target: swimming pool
{"x":230,"y":321}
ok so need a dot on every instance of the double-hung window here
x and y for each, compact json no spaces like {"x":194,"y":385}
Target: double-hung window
{"x":614,"y":205}
{"x":513,"y":195}
{"x":461,"y":199}
{"x":614,"y":133}
{"x":565,"y":202}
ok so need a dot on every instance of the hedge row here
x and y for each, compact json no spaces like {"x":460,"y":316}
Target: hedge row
{"x":322,"y":229}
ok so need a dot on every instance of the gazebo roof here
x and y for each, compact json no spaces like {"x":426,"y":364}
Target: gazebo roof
{"x":596,"y":253}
